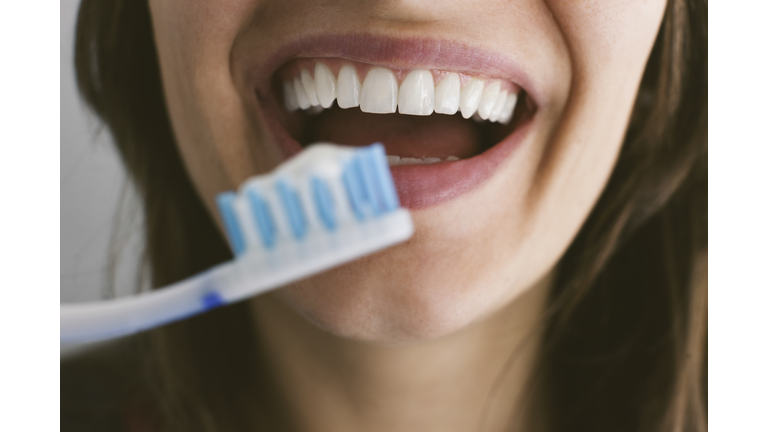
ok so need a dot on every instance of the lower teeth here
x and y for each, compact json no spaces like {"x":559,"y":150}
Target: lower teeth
{"x":397,"y":160}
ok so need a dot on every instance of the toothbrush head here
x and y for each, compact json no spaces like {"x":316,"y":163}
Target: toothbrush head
{"x":326,"y":206}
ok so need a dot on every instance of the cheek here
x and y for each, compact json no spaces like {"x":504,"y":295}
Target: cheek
{"x":608,"y":43}
{"x":217,"y":141}
{"x":613,"y":33}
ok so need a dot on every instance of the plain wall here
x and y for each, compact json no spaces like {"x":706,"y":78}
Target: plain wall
{"x":92,"y":181}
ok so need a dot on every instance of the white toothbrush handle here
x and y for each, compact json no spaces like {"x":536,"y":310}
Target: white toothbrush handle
{"x":95,"y":321}
{"x":232,"y":281}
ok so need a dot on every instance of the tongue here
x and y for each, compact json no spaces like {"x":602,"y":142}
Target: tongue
{"x":402,"y":135}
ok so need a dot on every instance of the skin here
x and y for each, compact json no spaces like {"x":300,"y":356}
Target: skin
{"x":414,"y":337}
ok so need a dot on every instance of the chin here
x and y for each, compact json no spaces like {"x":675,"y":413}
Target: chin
{"x":369,"y":301}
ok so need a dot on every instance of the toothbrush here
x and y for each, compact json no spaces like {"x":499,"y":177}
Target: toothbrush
{"x":324,"y":207}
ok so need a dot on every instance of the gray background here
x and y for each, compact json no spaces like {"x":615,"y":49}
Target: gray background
{"x":92,"y":185}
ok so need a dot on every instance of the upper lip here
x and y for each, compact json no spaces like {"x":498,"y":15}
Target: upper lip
{"x":386,"y":51}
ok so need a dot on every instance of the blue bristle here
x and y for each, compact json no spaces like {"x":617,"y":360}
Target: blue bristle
{"x":368,"y":171}
{"x":225,"y":202}
{"x":211,"y":300}
{"x":359,"y":170}
{"x":368,"y":184}
{"x":292,"y":205}
{"x":352,"y":182}
{"x":384,"y":178}
{"x":263,"y":217}
{"x":324,"y":203}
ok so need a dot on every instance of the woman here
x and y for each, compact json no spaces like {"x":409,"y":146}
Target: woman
{"x":557,"y":276}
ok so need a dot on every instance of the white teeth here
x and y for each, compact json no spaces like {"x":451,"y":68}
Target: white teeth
{"x":470,"y":97}
{"x":289,"y":97}
{"x":325,"y":83}
{"x":417,"y":94}
{"x":397,"y":160}
{"x":379,"y":92}
{"x":488,"y":100}
{"x":410,"y":161}
{"x":301,"y":94}
{"x":393,"y":160}
{"x":348,"y":91}
{"x":496,"y":111}
{"x":309,"y":87}
{"x":509,"y":109}
{"x":448,"y":94}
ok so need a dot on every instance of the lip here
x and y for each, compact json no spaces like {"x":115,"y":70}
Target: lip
{"x":418,"y":186}
{"x":394,"y":53}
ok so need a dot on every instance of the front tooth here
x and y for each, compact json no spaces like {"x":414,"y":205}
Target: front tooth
{"x":489,"y":100}
{"x":448,"y":94}
{"x":393,"y":160}
{"x":309,"y":87}
{"x":470,"y":97}
{"x":432,"y":160}
{"x":289,"y":97}
{"x":509,"y":108}
{"x":348,"y":91}
{"x":379,"y":92}
{"x":501,"y":100}
{"x":451,"y":158}
{"x":301,"y":95}
{"x":325,"y":84}
{"x":410,"y":161}
{"x":417,"y":94}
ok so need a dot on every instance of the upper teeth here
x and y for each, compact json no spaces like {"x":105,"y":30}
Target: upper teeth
{"x":416,"y":95}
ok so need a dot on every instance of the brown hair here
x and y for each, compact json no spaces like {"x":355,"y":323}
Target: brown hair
{"x":625,"y":344}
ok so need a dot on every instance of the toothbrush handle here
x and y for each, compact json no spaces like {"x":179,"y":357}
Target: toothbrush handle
{"x":247,"y":276}
{"x":95,"y":321}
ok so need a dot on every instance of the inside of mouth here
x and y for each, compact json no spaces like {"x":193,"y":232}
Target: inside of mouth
{"x":434,"y":137}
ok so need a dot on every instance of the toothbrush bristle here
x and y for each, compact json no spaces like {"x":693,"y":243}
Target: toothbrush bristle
{"x":226,"y":202}
{"x":353,"y":184}
{"x":289,"y":198}
{"x":265,"y":222}
{"x":386,"y":186}
{"x":319,"y":191}
{"x":324,"y":203}
{"x":372,"y":189}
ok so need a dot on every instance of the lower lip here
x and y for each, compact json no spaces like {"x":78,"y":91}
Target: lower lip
{"x":422,"y":186}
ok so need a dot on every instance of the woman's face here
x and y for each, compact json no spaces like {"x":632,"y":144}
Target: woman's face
{"x":488,"y":226}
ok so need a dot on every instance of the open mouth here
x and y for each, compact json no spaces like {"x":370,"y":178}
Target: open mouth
{"x":444,"y":131}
